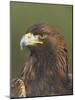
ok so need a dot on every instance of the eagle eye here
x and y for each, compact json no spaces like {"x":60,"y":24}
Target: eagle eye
{"x":42,"y":36}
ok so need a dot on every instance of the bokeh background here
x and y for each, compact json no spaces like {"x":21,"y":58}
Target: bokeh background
{"x":23,"y":15}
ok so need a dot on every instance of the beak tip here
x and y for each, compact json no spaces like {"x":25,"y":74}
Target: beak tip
{"x":21,"y":46}
{"x":22,"y":43}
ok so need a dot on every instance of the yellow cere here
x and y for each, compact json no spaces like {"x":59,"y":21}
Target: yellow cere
{"x":29,"y":35}
{"x":32,"y":39}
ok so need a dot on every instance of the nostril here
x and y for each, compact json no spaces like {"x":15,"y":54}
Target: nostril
{"x":29,"y":36}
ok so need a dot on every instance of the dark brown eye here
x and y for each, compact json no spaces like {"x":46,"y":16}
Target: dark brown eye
{"x":42,"y":36}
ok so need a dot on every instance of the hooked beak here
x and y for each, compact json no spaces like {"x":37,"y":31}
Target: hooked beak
{"x":29,"y":39}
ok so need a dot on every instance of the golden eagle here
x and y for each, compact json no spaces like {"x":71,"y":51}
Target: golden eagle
{"x":46,"y":71}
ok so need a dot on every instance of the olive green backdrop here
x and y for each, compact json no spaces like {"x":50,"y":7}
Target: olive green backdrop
{"x":23,"y":15}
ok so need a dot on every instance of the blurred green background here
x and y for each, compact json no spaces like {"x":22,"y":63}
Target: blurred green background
{"x":23,"y":15}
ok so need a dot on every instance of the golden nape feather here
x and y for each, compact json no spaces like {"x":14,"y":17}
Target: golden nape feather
{"x":17,"y":88}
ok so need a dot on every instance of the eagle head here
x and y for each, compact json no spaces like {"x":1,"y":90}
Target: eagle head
{"x":39,"y":36}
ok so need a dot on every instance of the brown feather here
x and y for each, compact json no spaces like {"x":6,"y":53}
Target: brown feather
{"x":46,"y":71}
